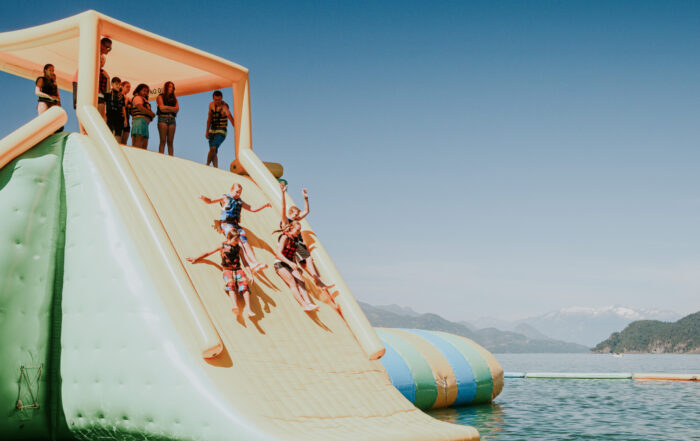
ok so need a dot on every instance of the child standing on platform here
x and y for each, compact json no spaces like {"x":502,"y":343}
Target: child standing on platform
{"x":116,"y":111}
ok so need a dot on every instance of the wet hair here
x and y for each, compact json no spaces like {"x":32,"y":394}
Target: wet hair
{"x":217,"y":93}
{"x":287,"y":228}
{"x":139,"y":88}
{"x":46,"y":66}
{"x":116,"y":80}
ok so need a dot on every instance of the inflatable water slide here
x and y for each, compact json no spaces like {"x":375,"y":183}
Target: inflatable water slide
{"x":107,"y":332}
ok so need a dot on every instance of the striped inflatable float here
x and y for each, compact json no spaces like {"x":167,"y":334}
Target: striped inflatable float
{"x":434,"y":369}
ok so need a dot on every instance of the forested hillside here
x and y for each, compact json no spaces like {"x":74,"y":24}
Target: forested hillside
{"x":654,"y":336}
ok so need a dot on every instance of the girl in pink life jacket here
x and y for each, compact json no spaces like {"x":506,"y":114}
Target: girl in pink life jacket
{"x":287,"y":267}
{"x":304,"y":257}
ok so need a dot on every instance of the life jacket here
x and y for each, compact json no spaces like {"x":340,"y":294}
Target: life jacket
{"x":136,"y":112}
{"x":129,"y":109}
{"x":48,"y":87}
{"x":115,"y":103}
{"x":230,"y":257}
{"x":219,"y":122}
{"x":290,"y":248}
{"x":232,"y":210}
{"x":103,"y":83}
{"x":298,"y":239}
{"x":170,"y":101}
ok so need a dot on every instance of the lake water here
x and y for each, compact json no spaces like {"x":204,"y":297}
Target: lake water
{"x":554,"y":409}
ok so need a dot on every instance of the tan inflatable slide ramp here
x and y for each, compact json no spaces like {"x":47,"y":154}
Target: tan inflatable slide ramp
{"x":303,"y":372}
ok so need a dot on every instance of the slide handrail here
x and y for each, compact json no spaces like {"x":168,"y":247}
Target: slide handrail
{"x":30,"y":134}
{"x":155,"y":246}
{"x":354,"y":317}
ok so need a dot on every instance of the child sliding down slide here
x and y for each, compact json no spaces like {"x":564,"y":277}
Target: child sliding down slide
{"x":286,"y":265}
{"x":230,"y":219}
{"x":232,"y":259}
{"x":303,"y":256}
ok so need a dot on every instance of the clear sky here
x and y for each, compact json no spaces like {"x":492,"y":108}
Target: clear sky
{"x":466,"y":158}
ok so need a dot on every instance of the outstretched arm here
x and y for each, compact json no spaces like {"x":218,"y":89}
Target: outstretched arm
{"x":304,"y":213}
{"x":197,"y":259}
{"x":283,"y":188}
{"x":255,"y":209}
{"x":210,"y":201}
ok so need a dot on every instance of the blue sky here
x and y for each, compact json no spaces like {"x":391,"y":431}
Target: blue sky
{"x":465,"y":158}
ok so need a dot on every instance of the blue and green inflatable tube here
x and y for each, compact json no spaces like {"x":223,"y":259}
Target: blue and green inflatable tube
{"x":434,"y":369}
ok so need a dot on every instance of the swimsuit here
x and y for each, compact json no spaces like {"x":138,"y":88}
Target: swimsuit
{"x":48,"y":87}
{"x":141,"y":119}
{"x":102,"y":91}
{"x":231,"y":217}
{"x":234,"y":276}
{"x":218,"y":127}
{"x":289,"y":251}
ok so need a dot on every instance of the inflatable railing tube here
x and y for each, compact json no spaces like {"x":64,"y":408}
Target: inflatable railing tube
{"x":355,"y":318}
{"x":164,"y":262}
{"x":30,"y":134}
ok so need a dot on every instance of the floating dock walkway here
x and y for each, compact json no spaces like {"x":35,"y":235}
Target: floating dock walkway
{"x":604,"y":376}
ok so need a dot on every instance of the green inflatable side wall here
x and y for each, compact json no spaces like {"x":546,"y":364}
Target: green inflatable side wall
{"x":33,"y":222}
{"x":73,"y":292}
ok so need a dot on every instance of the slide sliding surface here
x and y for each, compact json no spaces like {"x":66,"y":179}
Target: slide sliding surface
{"x":302,"y":373}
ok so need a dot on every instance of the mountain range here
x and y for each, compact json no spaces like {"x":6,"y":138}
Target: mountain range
{"x":582,"y":325}
{"x":394,"y":316}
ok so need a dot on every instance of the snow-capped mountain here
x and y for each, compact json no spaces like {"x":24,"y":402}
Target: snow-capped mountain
{"x":589,"y":326}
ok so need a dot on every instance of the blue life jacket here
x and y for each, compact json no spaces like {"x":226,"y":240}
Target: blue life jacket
{"x":231,"y":211}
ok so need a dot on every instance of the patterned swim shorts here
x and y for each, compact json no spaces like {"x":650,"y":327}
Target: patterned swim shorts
{"x":235,"y":278}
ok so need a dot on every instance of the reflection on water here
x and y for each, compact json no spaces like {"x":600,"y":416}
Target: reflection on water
{"x":564,"y":409}
{"x":485,"y":417}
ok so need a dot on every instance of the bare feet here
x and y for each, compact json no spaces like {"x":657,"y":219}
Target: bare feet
{"x":320,"y":284}
{"x":258,"y":267}
{"x":310,"y":307}
{"x":249,"y":313}
{"x":235,"y":310}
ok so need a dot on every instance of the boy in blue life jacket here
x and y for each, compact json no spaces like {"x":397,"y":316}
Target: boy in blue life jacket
{"x":230,"y":219}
